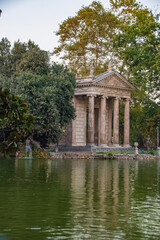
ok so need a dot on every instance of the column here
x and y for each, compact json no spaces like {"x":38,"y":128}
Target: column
{"x":126,"y":123}
{"x":116,"y":123}
{"x":103,"y":121}
{"x":91,"y":121}
{"x":74,"y":125}
{"x":109,"y":121}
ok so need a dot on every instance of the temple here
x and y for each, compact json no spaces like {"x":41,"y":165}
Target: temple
{"x":96,"y":102}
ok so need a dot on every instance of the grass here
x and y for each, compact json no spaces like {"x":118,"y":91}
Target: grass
{"x":50,"y":150}
{"x":152,"y":152}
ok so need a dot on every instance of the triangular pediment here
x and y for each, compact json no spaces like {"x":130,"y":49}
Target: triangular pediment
{"x":113,"y":80}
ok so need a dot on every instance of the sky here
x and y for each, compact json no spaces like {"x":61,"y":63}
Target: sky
{"x":38,"y":20}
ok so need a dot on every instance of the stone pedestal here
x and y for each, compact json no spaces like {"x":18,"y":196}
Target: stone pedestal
{"x":158,"y":151}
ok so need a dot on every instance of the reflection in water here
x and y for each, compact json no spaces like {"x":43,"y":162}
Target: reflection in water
{"x":28,"y":150}
{"x":79,"y":199}
{"x":95,"y":197}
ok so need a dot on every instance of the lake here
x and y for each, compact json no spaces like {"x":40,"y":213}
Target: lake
{"x":79,"y":199}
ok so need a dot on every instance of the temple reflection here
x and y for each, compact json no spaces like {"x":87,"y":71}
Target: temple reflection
{"x":96,"y":191}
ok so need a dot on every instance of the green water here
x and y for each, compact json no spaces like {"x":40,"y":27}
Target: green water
{"x":79,"y":199}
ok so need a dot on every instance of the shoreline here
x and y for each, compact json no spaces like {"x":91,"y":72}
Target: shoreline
{"x":89,"y":155}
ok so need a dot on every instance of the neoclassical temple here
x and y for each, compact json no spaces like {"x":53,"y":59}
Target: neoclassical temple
{"x":96,"y":101}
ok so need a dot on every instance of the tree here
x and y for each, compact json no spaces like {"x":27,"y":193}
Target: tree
{"x":85,"y":38}
{"x":21,"y":58}
{"x":49,"y":97}
{"x":17,"y":52}
{"x":137,"y":44}
{"x":5,"y":57}
{"x":34,"y":60}
{"x":15,"y":122}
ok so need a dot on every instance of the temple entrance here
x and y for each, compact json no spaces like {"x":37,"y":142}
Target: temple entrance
{"x":96,"y":123}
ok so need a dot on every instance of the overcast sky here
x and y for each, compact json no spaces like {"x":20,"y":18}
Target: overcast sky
{"x":38,"y":19}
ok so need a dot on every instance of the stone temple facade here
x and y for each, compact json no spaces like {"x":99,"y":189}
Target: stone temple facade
{"x":96,"y":101}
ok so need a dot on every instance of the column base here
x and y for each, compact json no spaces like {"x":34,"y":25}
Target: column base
{"x":91,"y":144}
{"x":103,"y":145}
{"x":127,"y":145}
{"x":116,"y":145}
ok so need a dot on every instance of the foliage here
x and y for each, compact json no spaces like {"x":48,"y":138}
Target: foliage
{"x":22,"y":57}
{"x":152,"y":152}
{"x":5,"y":57}
{"x":85,"y":38}
{"x":15,"y":123}
{"x":110,"y":155}
{"x":48,"y":90}
{"x":49,"y":97}
{"x":144,"y":120}
{"x":137,"y":45}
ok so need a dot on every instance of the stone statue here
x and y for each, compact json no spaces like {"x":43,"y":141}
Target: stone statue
{"x":92,"y":69}
{"x":148,"y":143}
{"x":110,"y":68}
{"x":136,"y":148}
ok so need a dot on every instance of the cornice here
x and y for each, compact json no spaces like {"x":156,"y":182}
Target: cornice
{"x":103,"y":86}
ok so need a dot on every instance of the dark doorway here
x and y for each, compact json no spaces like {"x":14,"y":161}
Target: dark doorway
{"x":96,"y":118}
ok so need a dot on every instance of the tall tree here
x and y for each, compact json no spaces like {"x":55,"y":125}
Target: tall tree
{"x":22,"y":57}
{"x":34,"y":60}
{"x":85,"y":38}
{"x":137,"y":44}
{"x":5,"y":57}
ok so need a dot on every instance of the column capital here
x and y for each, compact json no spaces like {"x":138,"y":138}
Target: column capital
{"x":103,"y":96}
{"x":91,"y":95}
{"x":126,"y":99}
{"x":117,"y":98}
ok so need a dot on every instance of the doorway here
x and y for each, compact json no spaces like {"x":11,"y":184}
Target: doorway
{"x":96,"y":124}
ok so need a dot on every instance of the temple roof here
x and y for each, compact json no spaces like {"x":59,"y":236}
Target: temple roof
{"x":111,"y":79}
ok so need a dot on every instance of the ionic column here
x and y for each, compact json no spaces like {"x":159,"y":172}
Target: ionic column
{"x":103,"y":121}
{"x":91,"y":121}
{"x":109,"y":122}
{"x":116,"y":122}
{"x":126,"y":123}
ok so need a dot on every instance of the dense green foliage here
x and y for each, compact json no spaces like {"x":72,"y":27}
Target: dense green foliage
{"x":15,"y":122}
{"x":22,"y":57}
{"x":137,"y":44}
{"x":47,"y":89}
{"x":129,"y":34}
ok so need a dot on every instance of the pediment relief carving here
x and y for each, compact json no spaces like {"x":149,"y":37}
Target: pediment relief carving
{"x":113,"y":81}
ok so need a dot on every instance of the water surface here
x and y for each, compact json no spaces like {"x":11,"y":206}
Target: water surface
{"x":79,"y":199}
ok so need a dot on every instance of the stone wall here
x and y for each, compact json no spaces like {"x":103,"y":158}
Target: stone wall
{"x":66,"y":139}
{"x":80,"y":122}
